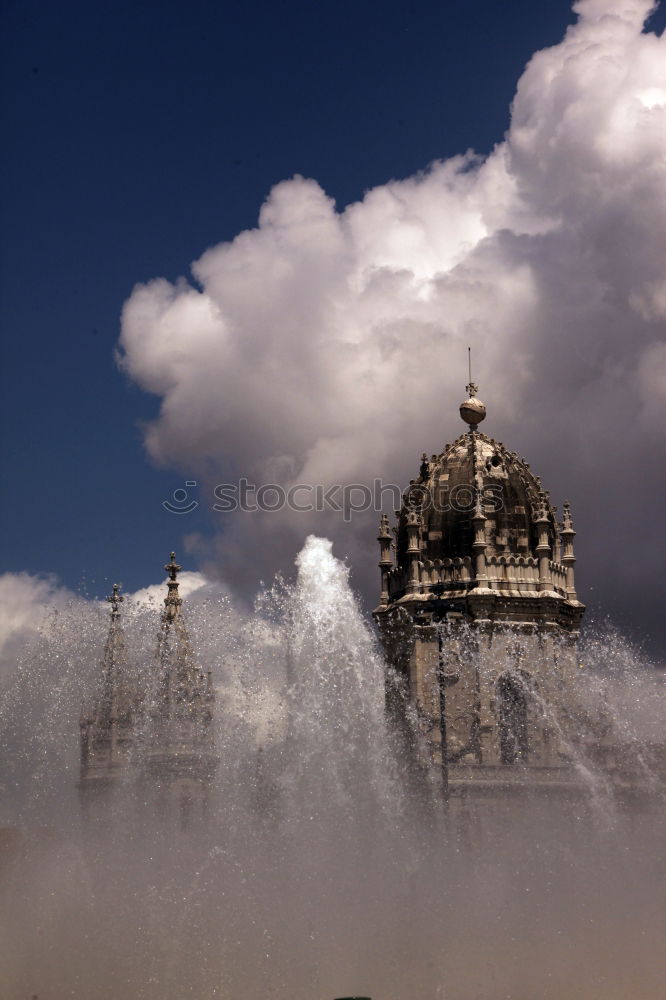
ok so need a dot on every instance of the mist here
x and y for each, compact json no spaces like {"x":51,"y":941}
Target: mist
{"x":327,"y":866}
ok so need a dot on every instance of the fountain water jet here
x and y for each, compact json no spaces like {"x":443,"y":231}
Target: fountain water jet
{"x":316,"y":875}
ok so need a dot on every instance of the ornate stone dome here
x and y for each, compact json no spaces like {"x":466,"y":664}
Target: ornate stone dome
{"x":477,"y":521}
{"x":476,"y":467}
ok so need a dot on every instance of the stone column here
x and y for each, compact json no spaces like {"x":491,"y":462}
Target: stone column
{"x":413,"y":551}
{"x":385,"y":560}
{"x":557,"y":543}
{"x":479,"y":545}
{"x":567,"y":534}
{"x":543,"y":548}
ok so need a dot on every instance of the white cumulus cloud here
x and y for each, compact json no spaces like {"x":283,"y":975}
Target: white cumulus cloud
{"x":329,"y":345}
{"x":26,"y":602}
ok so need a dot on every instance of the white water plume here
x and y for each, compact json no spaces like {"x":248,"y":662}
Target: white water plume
{"x":321,"y":870}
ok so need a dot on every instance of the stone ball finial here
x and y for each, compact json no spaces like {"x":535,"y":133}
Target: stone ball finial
{"x":473,"y":411}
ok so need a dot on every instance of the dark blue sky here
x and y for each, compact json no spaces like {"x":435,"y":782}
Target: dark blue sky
{"x":138,"y":134}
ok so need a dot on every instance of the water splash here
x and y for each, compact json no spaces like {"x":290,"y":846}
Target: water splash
{"x":324,"y":869}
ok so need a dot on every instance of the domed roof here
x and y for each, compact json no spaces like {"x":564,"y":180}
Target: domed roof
{"x":476,"y":466}
{"x":478,"y":526}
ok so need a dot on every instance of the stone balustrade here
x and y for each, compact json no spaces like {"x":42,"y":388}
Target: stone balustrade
{"x":519,"y":573}
{"x":558,"y":575}
{"x":515,"y":573}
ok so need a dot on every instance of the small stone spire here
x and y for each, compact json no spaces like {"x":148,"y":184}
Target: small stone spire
{"x":113,"y":662}
{"x":114,"y":707}
{"x":479,"y":544}
{"x":543,"y":549}
{"x":385,"y":559}
{"x":172,"y":568}
{"x":172,"y":601}
{"x":567,"y":534}
{"x":567,"y":522}
{"x":179,"y":738}
{"x":384,"y":530}
{"x":413,"y":523}
{"x":557,"y":541}
{"x":115,"y":600}
{"x":182,"y":683}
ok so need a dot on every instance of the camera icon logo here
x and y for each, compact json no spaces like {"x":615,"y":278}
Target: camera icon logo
{"x":179,"y":500}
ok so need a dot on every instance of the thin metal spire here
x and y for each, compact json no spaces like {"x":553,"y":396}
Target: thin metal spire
{"x":473,"y":411}
{"x":470,"y":388}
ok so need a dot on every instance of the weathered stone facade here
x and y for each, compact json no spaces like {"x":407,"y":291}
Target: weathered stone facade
{"x":153,"y":738}
{"x":479,"y":617}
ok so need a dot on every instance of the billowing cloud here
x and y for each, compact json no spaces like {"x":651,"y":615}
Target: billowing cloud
{"x":329,"y":346}
{"x":28,"y":603}
{"x":38,"y":611}
{"x":153,"y":595}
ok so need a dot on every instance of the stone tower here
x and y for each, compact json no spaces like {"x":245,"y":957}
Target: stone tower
{"x":107,"y":733}
{"x":479,"y":616}
{"x":153,"y":735}
{"x":180,"y":759}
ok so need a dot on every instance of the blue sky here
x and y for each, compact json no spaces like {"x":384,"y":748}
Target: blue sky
{"x":142,"y":133}
{"x":138,"y":135}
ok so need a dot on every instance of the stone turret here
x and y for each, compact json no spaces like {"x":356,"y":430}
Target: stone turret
{"x":479,"y":614}
{"x":185,"y":692}
{"x":385,"y":559}
{"x":107,"y":735}
{"x":180,"y":755}
{"x":567,"y":535}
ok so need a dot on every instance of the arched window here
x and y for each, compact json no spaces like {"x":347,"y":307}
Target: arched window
{"x":512,"y":698}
